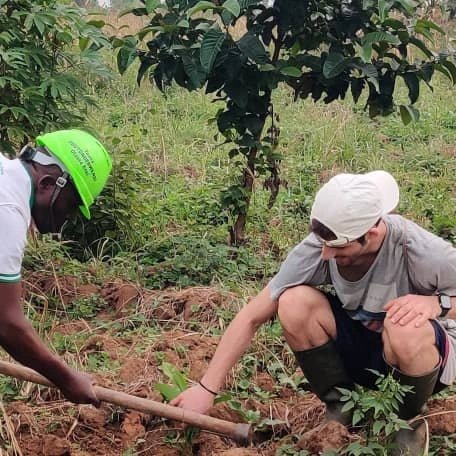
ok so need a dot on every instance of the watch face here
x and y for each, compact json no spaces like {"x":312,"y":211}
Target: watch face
{"x":445,"y":302}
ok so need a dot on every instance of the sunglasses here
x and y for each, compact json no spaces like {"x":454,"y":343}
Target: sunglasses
{"x":339,"y":242}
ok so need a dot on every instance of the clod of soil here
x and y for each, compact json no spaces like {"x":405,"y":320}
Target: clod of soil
{"x":132,"y":428}
{"x":445,"y":422}
{"x":330,"y":435}
{"x":92,"y":417}
{"x":55,"y":446}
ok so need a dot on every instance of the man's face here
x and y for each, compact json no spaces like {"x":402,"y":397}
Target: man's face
{"x":350,"y":254}
{"x":48,"y":217}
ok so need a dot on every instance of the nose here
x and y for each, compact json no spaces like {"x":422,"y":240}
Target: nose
{"x":328,"y":252}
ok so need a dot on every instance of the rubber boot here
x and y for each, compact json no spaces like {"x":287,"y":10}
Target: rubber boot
{"x":323,"y":368}
{"x":411,"y":442}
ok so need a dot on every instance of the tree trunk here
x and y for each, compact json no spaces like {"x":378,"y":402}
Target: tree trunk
{"x":237,"y":231}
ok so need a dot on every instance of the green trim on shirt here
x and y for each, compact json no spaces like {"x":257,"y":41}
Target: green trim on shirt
{"x":10,"y":278}
{"x":32,"y":193}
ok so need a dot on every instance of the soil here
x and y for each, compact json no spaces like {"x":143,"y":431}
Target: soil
{"x":45,"y":425}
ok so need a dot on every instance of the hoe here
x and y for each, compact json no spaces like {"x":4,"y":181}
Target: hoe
{"x":239,"y":432}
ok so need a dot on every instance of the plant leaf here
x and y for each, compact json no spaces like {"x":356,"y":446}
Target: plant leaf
{"x":291,"y":71}
{"x":203,"y":5}
{"x":210,"y":47}
{"x":334,"y":64}
{"x":253,"y":48}
{"x":413,"y":85}
{"x":409,"y":114}
{"x":380,"y":36}
{"x":451,"y":67}
{"x":232,"y":6}
{"x":167,"y":391}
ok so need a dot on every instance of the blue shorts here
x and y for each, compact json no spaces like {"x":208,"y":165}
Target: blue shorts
{"x":361,"y":349}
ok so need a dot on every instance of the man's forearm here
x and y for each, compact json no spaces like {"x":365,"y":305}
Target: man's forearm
{"x":22,"y":342}
{"x":232,"y":346}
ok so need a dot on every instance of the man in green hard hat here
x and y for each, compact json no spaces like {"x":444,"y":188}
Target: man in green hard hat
{"x":45,"y":186}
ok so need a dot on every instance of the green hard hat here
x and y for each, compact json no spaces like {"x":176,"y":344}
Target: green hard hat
{"x":85,"y":159}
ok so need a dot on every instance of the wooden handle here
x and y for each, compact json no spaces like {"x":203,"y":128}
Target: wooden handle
{"x":239,"y":432}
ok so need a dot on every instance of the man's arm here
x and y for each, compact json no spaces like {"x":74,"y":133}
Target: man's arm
{"x":233,"y":344}
{"x":21,"y":341}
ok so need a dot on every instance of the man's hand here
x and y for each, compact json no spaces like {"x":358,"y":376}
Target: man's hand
{"x":195,"y":398}
{"x":78,"y":388}
{"x":413,"y":309}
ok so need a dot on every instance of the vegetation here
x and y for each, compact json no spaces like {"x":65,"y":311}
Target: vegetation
{"x":243,"y":50}
{"x":42,"y":74}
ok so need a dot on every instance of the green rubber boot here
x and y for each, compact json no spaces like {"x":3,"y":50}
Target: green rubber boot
{"x":411,"y":442}
{"x":323,"y":368}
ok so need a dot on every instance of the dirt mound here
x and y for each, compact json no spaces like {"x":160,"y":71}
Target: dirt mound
{"x":330,"y":435}
{"x":190,"y":304}
{"x":65,"y":288}
{"x":442,"y":416}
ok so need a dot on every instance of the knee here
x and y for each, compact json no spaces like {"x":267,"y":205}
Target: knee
{"x":298,"y":306}
{"x":407,"y":342}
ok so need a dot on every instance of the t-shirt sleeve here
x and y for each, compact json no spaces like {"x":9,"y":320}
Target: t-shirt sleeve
{"x":303,"y":266}
{"x":432,"y":262}
{"x":13,"y":238}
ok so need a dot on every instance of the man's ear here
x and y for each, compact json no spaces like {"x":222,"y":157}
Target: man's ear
{"x":45,"y":183}
{"x":373,"y":232}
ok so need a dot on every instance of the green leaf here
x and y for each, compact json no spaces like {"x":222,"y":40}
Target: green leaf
{"x":425,"y":32}
{"x":380,"y":36}
{"x":202,"y":5}
{"x":451,"y":67}
{"x":167,"y":391}
{"x":444,"y":70}
{"x":384,"y":7}
{"x":429,"y":25}
{"x":232,"y":6}
{"x":193,"y":72}
{"x":421,"y":46}
{"x":244,"y":4}
{"x":413,"y":85}
{"x":98,"y":23}
{"x":173,"y":373}
{"x":210,"y":47}
{"x":357,"y":417}
{"x":334,"y":64}
{"x":84,"y":43}
{"x":253,"y":48}
{"x":125,"y":57}
{"x":291,"y":71}
{"x":408,"y":5}
{"x":395,"y":24}
{"x":151,"y":5}
{"x":378,"y":426}
{"x":409,"y":114}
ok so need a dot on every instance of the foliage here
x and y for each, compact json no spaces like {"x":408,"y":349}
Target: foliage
{"x":117,"y":214}
{"x":320,"y":49}
{"x":377,"y":411}
{"x":40,"y":87}
{"x":199,"y":259}
{"x":178,"y":381}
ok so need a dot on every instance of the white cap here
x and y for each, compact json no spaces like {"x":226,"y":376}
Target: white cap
{"x":351,"y":204}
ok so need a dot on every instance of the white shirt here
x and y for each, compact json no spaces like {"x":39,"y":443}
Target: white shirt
{"x":15,"y":217}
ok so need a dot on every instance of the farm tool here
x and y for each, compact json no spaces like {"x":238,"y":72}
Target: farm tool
{"x":240,"y":432}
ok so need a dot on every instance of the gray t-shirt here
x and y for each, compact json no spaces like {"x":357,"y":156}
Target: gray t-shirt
{"x":431,"y":269}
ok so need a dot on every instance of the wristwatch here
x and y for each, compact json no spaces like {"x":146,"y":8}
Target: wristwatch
{"x":445,"y":304}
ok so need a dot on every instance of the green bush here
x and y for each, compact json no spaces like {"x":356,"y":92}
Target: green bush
{"x":39,"y":63}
